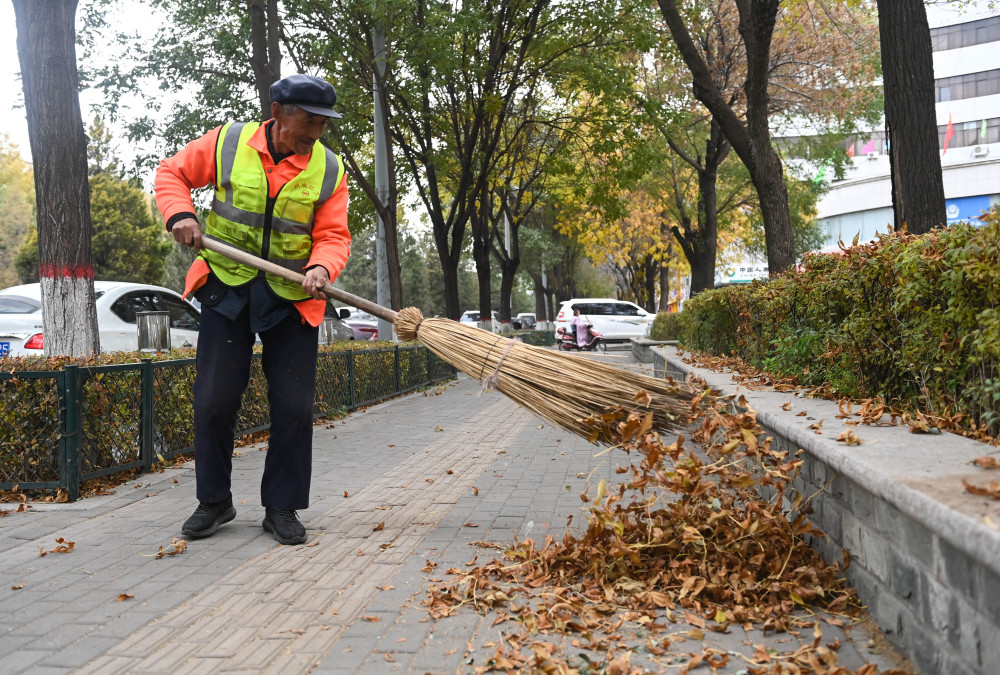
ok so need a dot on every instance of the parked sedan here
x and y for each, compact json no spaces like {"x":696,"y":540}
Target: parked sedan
{"x":473,"y":316}
{"x":334,"y":328}
{"x":117,"y":303}
{"x":364,"y":325}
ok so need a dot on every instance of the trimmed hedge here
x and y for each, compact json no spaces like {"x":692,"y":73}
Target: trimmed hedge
{"x":130,"y":413}
{"x":666,"y":326}
{"x":914,"y":320}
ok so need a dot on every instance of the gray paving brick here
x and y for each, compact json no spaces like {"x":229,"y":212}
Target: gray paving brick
{"x":349,"y":653}
{"x":23,"y":659}
{"x":80,"y":652}
{"x":238,"y":602}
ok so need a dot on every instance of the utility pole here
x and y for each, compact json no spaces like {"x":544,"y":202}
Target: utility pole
{"x":506,"y":240}
{"x":545,"y":325}
{"x":385,"y":328}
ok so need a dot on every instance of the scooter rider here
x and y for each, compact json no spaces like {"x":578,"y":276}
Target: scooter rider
{"x":581,"y":326}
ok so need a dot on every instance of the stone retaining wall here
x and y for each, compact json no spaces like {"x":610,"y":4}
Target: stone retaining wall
{"x":924,"y":553}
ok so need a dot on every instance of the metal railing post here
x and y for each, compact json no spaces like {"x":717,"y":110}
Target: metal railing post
{"x":71,"y":436}
{"x":399,"y":374}
{"x":146,"y":450}
{"x":350,"y":379}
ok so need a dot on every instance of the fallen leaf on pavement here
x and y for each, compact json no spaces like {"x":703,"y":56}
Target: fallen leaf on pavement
{"x":177,"y":547}
{"x":62,"y":546}
{"x":986,"y":462}
{"x":993,"y":491}
{"x":849,"y":437}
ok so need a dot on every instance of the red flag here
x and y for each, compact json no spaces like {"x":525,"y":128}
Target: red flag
{"x":850,"y":150}
{"x":948,"y":133}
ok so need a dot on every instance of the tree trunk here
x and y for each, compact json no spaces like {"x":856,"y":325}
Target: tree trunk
{"x":481,"y":255}
{"x":509,"y":264}
{"x":265,"y":54}
{"x":46,"y":48}
{"x":650,"y":279}
{"x":706,"y":247}
{"x":449,"y":275}
{"x":910,"y":123}
{"x":751,"y":142}
{"x":541,"y":309}
{"x":664,"y":304}
{"x":757,"y":19}
{"x":700,"y":244}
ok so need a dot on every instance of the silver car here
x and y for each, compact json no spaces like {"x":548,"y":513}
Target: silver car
{"x":117,"y":303}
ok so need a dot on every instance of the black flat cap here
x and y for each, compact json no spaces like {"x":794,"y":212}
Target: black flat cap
{"x":312,"y":94}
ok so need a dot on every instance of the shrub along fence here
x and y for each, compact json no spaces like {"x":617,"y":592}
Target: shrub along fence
{"x":538,"y":338}
{"x":912,"y":320}
{"x":59,"y":428}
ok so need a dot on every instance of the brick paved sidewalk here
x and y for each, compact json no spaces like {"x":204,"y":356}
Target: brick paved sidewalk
{"x":411,"y":481}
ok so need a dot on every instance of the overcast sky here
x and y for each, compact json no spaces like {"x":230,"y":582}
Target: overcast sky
{"x":130,"y":13}
{"x":12,"y":109}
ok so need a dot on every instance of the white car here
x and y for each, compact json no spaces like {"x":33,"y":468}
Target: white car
{"x":525,"y":321}
{"x":616,"y":320}
{"x":117,"y":304}
{"x":472,"y":316}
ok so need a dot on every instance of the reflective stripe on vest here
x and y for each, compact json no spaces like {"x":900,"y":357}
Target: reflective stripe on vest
{"x":240,"y":214}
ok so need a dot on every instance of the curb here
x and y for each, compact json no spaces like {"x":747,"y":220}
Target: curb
{"x":924,"y":554}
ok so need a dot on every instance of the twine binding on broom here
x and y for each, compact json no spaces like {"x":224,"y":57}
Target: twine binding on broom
{"x":493,"y":379}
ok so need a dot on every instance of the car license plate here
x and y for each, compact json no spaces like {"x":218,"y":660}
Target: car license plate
{"x":4,"y":348}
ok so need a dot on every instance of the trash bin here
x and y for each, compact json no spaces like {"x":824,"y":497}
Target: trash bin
{"x":154,"y":331}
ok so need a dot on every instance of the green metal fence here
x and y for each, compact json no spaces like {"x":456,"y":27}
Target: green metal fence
{"x":538,"y":338}
{"x":60,"y":428}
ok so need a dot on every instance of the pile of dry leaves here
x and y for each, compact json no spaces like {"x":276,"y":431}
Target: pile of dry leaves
{"x":682,"y":539}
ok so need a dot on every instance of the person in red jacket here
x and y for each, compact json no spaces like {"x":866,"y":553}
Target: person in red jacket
{"x":280,"y":195}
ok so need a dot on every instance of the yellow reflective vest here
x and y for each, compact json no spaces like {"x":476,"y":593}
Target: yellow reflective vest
{"x":243,"y":214}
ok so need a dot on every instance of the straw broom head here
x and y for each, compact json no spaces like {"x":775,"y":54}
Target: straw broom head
{"x":564,"y":389}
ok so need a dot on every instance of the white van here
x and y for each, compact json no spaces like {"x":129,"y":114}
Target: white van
{"x":616,"y":320}
{"x":472,"y":316}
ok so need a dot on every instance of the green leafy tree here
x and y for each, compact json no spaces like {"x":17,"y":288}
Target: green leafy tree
{"x":127,"y":244}
{"x":17,"y":208}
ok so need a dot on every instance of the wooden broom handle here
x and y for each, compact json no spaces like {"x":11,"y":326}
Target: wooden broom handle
{"x":241,"y":256}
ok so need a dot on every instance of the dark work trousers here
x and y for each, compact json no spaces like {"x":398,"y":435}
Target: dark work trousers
{"x":223,"y":371}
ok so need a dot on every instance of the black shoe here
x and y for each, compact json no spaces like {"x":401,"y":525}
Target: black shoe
{"x":207,"y":518}
{"x":284,"y":525}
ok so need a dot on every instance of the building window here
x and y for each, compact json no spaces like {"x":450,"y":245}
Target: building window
{"x":970,"y":85}
{"x":966,"y":34}
{"x":971,"y":133}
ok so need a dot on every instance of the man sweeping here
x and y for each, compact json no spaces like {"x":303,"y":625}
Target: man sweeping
{"x":282,"y":196}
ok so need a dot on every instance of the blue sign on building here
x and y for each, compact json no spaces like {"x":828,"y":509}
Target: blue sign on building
{"x":966,"y":209}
